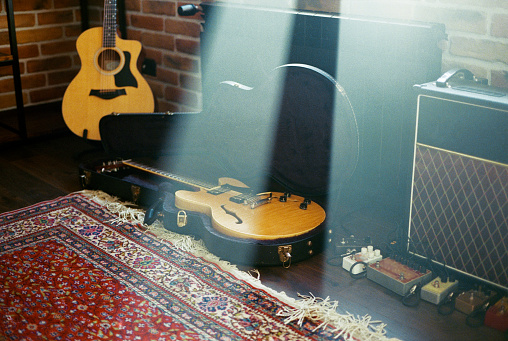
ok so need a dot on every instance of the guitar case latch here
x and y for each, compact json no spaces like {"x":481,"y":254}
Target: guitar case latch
{"x":135,"y":192}
{"x":85,"y":178}
{"x":181,"y":218}
{"x":284,"y":252}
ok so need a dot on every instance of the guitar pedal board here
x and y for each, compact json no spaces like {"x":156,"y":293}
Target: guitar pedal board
{"x":396,"y":276}
{"x":367,"y":255}
{"x":437,"y":289}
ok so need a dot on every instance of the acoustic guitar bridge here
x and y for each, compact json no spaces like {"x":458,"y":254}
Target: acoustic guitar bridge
{"x":107,"y":94}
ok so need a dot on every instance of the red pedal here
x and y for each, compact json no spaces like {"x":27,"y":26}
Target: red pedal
{"x":497,"y":315}
{"x":395,"y":276}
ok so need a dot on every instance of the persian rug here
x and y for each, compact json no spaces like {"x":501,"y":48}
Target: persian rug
{"x":80,"y":268}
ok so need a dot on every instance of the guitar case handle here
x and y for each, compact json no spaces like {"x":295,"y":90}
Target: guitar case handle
{"x":442,"y":81}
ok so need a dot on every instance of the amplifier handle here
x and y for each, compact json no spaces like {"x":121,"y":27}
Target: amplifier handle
{"x":442,"y":81}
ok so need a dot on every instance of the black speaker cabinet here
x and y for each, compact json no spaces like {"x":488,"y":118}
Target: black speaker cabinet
{"x":459,"y":211}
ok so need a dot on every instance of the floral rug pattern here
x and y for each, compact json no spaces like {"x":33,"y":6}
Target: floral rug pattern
{"x":69,"y":273}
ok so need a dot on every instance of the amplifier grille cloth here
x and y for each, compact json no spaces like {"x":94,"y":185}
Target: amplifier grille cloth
{"x":459,"y":212}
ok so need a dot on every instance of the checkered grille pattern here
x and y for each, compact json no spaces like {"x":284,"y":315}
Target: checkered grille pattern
{"x":459,"y":213}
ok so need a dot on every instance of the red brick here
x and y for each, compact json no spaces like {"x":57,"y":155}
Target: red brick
{"x":7,"y":100}
{"x":158,"y":40}
{"x":165,"y":8}
{"x":156,"y":86}
{"x":21,"y":20}
{"x":28,"y":51}
{"x":190,"y":82}
{"x":55,"y":17}
{"x":181,"y":96}
{"x":47,"y":94}
{"x":58,"y":47}
{"x":133,"y":5}
{"x":187,"y":28}
{"x":187,"y":46}
{"x":33,"y":81}
{"x":6,"y":85}
{"x":181,"y":63}
{"x":133,"y":34}
{"x":31,"y":5}
{"x":154,"y":54}
{"x":40,"y":34}
{"x":48,"y":64}
{"x":4,"y":38}
{"x":148,"y":22}
{"x":167,"y":76}
{"x":72,"y":30}
{"x":7,"y":70}
{"x":61,"y":77}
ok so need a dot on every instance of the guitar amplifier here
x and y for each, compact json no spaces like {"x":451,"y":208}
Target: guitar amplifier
{"x":458,"y":215}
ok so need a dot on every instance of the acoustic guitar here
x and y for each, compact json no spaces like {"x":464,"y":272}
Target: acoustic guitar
{"x":236,"y":211}
{"x":108,"y":80}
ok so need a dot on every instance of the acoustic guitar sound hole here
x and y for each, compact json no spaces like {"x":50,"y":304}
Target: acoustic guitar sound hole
{"x":109,"y":60}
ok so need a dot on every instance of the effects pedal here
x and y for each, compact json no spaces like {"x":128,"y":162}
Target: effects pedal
{"x":437,"y":290}
{"x":497,"y":315}
{"x":395,"y":276}
{"x":471,"y":300}
{"x":367,"y":255}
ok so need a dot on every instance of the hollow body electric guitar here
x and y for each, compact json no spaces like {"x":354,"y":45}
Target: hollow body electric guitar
{"x":108,"y":80}
{"x":238,"y":212}
{"x":241,"y":226}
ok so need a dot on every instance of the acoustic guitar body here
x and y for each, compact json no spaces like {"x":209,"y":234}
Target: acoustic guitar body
{"x":107,"y":82}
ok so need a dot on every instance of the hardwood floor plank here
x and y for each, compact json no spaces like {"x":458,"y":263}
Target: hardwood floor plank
{"x":20,"y":188}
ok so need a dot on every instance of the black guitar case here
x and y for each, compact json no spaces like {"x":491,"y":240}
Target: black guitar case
{"x":287,"y":134}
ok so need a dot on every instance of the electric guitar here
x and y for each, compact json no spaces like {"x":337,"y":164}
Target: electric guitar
{"x":108,"y":80}
{"x":236,"y":211}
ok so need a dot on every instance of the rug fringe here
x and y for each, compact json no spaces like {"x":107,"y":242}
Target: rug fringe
{"x":347,"y":325}
{"x":315,"y":309}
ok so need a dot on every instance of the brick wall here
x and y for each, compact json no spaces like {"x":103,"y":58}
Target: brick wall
{"x":46,"y":33}
{"x":47,"y":30}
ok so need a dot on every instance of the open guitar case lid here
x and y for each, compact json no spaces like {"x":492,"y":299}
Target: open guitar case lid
{"x":284,"y":128}
{"x":291,"y":132}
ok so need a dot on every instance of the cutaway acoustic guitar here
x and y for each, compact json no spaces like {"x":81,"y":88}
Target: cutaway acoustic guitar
{"x":108,"y":80}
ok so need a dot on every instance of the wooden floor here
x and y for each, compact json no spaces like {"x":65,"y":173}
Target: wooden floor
{"x":46,"y":168}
